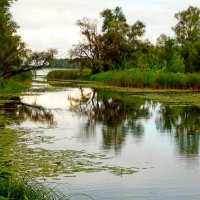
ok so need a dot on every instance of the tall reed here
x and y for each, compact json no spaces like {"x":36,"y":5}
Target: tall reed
{"x":25,"y":188}
{"x":150,"y":79}
{"x":135,"y":78}
{"x":68,"y":74}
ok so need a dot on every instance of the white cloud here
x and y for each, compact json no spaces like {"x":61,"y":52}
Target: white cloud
{"x":51,"y":23}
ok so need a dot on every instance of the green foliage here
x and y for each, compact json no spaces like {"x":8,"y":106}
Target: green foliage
{"x":63,"y":63}
{"x":136,"y":78}
{"x":119,"y":45}
{"x":165,"y":57}
{"x":176,"y":63}
{"x":113,"y":47}
{"x":15,"y":58}
{"x":12,"y":49}
{"x":150,"y":79}
{"x":113,"y":20}
{"x":120,"y":40}
{"x":24,"y":188}
{"x":16,"y":83}
{"x":188,"y":27}
{"x":67,"y":74}
{"x":154,"y":63}
{"x":190,"y":52}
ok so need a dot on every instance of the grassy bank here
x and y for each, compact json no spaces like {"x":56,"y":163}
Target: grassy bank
{"x":15,"y":84}
{"x":12,"y":185}
{"x":24,"y":188}
{"x":69,"y":74}
{"x":134,"y":78}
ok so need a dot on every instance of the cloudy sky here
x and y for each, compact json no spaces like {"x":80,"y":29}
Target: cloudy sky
{"x":51,"y":23}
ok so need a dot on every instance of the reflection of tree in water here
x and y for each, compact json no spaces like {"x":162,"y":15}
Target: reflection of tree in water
{"x":19,"y":111}
{"x":184,"y":122}
{"x":117,"y":117}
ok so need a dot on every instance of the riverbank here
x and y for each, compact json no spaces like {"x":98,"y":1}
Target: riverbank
{"x":15,"y":185}
{"x":69,"y":140}
{"x":16,"y":84}
{"x":133,"y":79}
{"x":18,"y":158}
{"x":189,"y":95}
{"x":175,"y":96}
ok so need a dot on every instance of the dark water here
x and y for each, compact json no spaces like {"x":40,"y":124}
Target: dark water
{"x":161,"y":140}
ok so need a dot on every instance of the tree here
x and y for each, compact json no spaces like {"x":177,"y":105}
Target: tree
{"x":15,"y":58}
{"x":169,"y":54}
{"x":120,"y":40}
{"x":90,"y":47}
{"x":32,"y":61}
{"x":113,"y":20}
{"x":188,"y":27}
{"x":12,"y":49}
{"x":190,"y":52}
{"x":165,"y":56}
{"x":113,"y":46}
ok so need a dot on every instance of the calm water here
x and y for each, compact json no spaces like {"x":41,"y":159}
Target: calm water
{"x":162,"y":141}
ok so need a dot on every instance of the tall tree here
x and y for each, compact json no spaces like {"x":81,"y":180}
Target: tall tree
{"x":187,"y":32}
{"x":120,"y":39}
{"x":32,"y":61}
{"x":12,"y":49}
{"x":188,"y":26}
{"x":111,"y":48}
{"x":88,"y":50}
{"x":113,"y":20}
{"x":15,"y":58}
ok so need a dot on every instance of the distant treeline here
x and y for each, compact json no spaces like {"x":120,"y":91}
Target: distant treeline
{"x":65,"y":63}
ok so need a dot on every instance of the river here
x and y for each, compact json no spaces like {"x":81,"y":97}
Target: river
{"x":159,"y":141}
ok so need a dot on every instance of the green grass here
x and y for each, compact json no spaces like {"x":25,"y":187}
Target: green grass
{"x":24,"y":188}
{"x":68,"y":74}
{"x":134,"y":78}
{"x":149,"y":79}
{"x":16,"y":83}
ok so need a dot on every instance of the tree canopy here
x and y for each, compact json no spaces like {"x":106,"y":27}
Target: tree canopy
{"x":12,"y":49}
{"x":15,"y":58}
{"x":188,"y":27}
{"x":116,"y":45}
{"x":119,"y":45}
{"x":109,"y":48}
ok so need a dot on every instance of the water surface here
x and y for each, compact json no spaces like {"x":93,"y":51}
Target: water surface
{"x":161,"y":141}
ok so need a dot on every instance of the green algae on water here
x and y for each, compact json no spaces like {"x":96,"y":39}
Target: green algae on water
{"x":20,"y":158}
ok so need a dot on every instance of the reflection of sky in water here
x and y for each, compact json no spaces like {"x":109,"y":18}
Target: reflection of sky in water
{"x":165,"y":172}
{"x":54,"y":100}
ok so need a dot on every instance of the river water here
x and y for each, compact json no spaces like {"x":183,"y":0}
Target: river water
{"x":160,"y":141}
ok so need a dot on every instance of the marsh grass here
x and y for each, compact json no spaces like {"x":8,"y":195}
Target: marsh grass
{"x":16,"y":83}
{"x":68,"y":74}
{"x":25,"y":188}
{"x":134,"y":78}
{"x":149,"y":79}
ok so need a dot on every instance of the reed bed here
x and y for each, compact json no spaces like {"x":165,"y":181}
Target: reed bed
{"x":134,"y":78}
{"x":16,"y":83}
{"x":149,"y":79}
{"x":68,"y":74}
{"x":26,"y":188}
